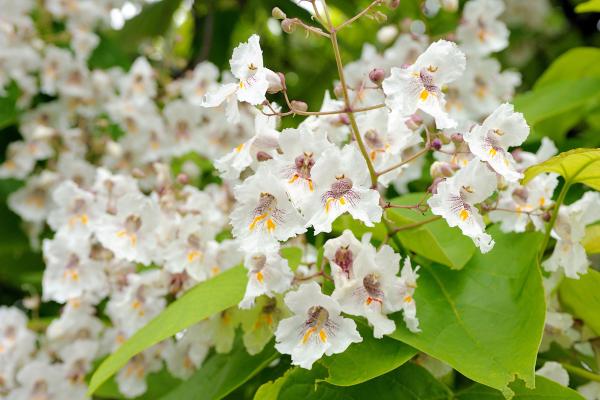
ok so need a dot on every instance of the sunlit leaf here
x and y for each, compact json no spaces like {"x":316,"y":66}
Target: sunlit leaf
{"x":582,"y":297}
{"x":576,"y":166}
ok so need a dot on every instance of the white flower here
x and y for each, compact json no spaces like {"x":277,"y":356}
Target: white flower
{"x":342,"y":185}
{"x":301,"y":148}
{"x":317,"y":327}
{"x":335,"y":125}
{"x":130,"y":233}
{"x":70,"y":273}
{"x":131,"y":379}
{"x":264,"y":214}
{"x":202,"y":79}
{"x":75,"y":212}
{"x":184,"y":133}
{"x":456,"y":198}
{"x":33,"y":202}
{"x":569,"y":230}
{"x":39,"y":379}
{"x":77,"y":360}
{"x":490,"y":141}
{"x":559,"y":328}
{"x":408,"y":279}
{"x":17,"y":342}
{"x":555,"y":372}
{"x":342,"y":253}
{"x":480,"y":31}
{"x":419,"y":86}
{"x":139,"y":84}
{"x":268,"y":273}
{"x":590,"y":391}
{"x":247,"y":67}
{"x":76,"y":321}
{"x":374,"y":290}
{"x":189,"y":351}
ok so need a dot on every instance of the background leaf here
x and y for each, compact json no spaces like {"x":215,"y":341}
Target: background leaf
{"x":588,"y":6}
{"x":470,"y":318}
{"x":582,"y":297}
{"x":576,"y":166}
{"x":205,"y":299}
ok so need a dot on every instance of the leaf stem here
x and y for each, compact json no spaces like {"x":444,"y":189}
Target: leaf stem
{"x":357,"y":16}
{"x":581,"y":372}
{"x":415,"y":224}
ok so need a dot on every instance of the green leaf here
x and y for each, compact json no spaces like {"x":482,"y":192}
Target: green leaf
{"x":366,"y":360}
{"x":582,"y":297}
{"x":580,"y":62}
{"x":159,"y":383}
{"x":223,"y":373}
{"x":435,"y":240}
{"x":8,"y":106}
{"x":557,"y":98}
{"x":293,"y":255}
{"x":576,"y":166}
{"x":544,"y":389}
{"x":485,"y":320}
{"x":588,"y":6}
{"x":205,"y":299}
{"x":409,"y":382}
{"x":591,"y":241}
{"x":346,"y":221}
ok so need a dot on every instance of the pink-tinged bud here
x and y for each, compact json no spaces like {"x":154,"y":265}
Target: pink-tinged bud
{"x":440,"y":169}
{"x":299,"y":106}
{"x":414,"y":122}
{"x":183,"y":179}
{"x":377,"y":75}
{"x":436,"y":144}
{"x":338,"y":91}
{"x":433,"y":187}
{"x":263,"y":156}
{"x":282,"y":79}
{"x":288,"y":25}
{"x":343,"y":118}
{"x":277,"y":13}
{"x":517,"y":154}
{"x":457,"y":137}
{"x":393,"y":4}
{"x":547,"y":216}
{"x":274,"y":80}
{"x":520,"y":194}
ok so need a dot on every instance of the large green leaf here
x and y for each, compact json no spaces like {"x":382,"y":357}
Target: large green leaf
{"x":366,"y":360}
{"x":576,"y":166}
{"x":222,"y":373}
{"x":591,"y":241}
{"x":485,"y":320}
{"x":544,"y":389}
{"x":582,"y":297}
{"x":435,"y":240}
{"x":577,"y":63}
{"x":207,"y":298}
{"x":588,"y":6}
{"x":409,"y":382}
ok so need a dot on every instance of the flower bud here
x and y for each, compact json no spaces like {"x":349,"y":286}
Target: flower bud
{"x":521,"y":194}
{"x":517,"y":155}
{"x":274,"y":80}
{"x":299,"y":105}
{"x":414,"y":122}
{"x":377,"y":75}
{"x":387,"y":34}
{"x":457,"y":137}
{"x":436,"y":144}
{"x":440,"y":169}
{"x":263,"y":156}
{"x":433,"y":187}
{"x":344,"y":120}
{"x":282,"y":80}
{"x":338,"y":91}
{"x":393,"y":4}
{"x":183,"y":179}
{"x":277,"y":13}
{"x":547,"y":216}
{"x":288,"y":25}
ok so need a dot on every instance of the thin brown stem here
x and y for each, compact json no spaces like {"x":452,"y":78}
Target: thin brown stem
{"x":415,"y":225}
{"x":357,"y":16}
{"x":409,"y":159}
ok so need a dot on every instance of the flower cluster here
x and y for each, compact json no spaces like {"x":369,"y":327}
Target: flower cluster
{"x":128,"y":219}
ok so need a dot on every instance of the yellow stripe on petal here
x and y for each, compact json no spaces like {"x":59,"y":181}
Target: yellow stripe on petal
{"x":323,"y":336}
{"x":307,"y":335}
{"x":424,"y":94}
{"x":464,"y":214}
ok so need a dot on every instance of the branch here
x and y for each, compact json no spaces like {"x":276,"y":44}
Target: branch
{"x":357,"y":16}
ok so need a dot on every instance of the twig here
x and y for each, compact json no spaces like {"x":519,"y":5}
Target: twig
{"x":357,"y":16}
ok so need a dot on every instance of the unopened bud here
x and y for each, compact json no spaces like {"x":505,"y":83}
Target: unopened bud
{"x":433,"y":187}
{"x":457,"y":137}
{"x":277,"y":13}
{"x":338,"y":91}
{"x":380,"y":17}
{"x":282,"y":80}
{"x":440,"y":169}
{"x":521,"y":193}
{"x":274,"y":80}
{"x":263,"y":156}
{"x":436,"y":144}
{"x":288,"y":25}
{"x":413,"y":122}
{"x":393,"y":4}
{"x":344,"y":120}
{"x":546,"y":216}
{"x":517,"y":155}
{"x":387,"y":34}
{"x":299,"y":106}
{"x":377,"y":75}
{"x":183,"y":179}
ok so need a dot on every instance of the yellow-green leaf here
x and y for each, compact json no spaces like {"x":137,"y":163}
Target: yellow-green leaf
{"x":582,"y":297}
{"x":588,"y":6}
{"x":576,"y":166}
{"x":591,"y":241}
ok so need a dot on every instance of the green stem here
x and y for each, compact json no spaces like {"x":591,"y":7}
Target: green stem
{"x":559,"y":202}
{"x":581,"y":372}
